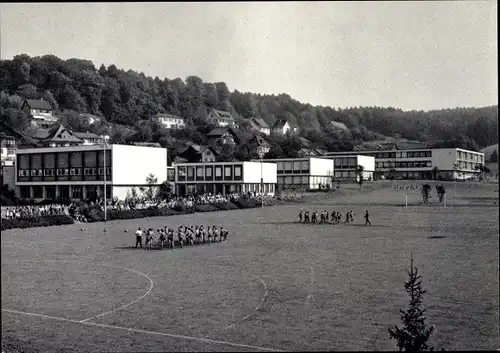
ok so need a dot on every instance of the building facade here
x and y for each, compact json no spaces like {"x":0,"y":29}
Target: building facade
{"x":169,"y":121}
{"x":260,"y":125}
{"x":346,"y":167}
{"x":77,"y":172}
{"x":224,"y":178}
{"x":282,"y":127}
{"x":221,"y":118}
{"x":442,"y":163}
{"x":40,"y":111}
{"x":304,"y":173}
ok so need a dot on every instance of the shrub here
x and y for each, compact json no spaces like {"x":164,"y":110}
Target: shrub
{"x":54,"y":202}
{"x":245,"y":202}
{"x":224,"y":206}
{"x":150,"y":212}
{"x":40,"y":221}
{"x":182,"y":208}
{"x":206,"y":208}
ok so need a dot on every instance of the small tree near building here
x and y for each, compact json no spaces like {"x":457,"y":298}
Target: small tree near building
{"x":415,"y":333}
{"x":149,"y":191}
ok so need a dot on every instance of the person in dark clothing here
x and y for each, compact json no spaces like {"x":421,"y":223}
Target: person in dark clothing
{"x":367,"y":218}
{"x":351,"y":217}
{"x":346,"y":217}
{"x":314,"y":217}
{"x":300,"y":216}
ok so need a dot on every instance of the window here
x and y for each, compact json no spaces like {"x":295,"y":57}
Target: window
{"x":288,"y":167}
{"x":345,"y":174}
{"x":403,"y":154}
{"x":209,"y":173}
{"x":25,"y":192}
{"x":199,"y":173}
{"x":297,"y":180}
{"x":305,"y":166}
{"x":23,"y":173}
{"x":48,"y":172}
{"x":338,"y":174}
{"x":228,"y":172}
{"x":337,"y":162}
{"x":89,"y":171}
{"x":37,"y":192}
{"x":398,"y":154}
{"x":34,"y":172}
{"x":77,"y":192}
{"x":288,"y":180}
{"x":64,"y":192}
{"x":171,"y":174}
{"x":182,"y":173}
{"x":76,"y":171}
{"x":305,"y":180}
{"x":238,"y":172}
{"x":50,"y":192}
{"x":296,"y":166}
{"x":428,"y":163}
{"x":218,"y":172}
{"x":190,"y":173}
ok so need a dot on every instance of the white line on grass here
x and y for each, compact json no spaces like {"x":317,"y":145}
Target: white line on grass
{"x":264,"y":297}
{"x":151,"y":285}
{"x":95,"y":324}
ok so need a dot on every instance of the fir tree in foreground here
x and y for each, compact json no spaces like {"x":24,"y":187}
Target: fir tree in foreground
{"x":414,"y":334}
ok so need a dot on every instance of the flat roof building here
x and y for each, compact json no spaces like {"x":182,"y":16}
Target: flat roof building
{"x":303,"y":173}
{"x":447,"y":163}
{"x":223,"y":177}
{"x":77,"y":172}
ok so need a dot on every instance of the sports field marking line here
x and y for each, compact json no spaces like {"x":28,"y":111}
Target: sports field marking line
{"x":173,"y":335}
{"x":264,"y":298}
{"x":151,"y":284}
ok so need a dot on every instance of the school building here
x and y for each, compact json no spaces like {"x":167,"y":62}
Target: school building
{"x":303,"y":173}
{"x":223,"y":177}
{"x":77,"y":172}
{"x":346,"y":167}
{"x":447,"y":163}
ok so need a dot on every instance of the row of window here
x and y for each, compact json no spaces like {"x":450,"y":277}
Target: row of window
{"x":76,"y":192}
{"x":62,"y":172}
{"x":303,"y":180}
{"x":292,"y":165}
{"x":416,"y":164}
{"x":409,"y":154}
{"x":295,"y":171}
{"x":469,"y":156}
{"x":201,"y":173}
{"x":468,"y":165}
{"x":345,"y":162}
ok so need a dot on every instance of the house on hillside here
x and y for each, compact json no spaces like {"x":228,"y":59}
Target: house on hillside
{"x":10,"y":141}
{"x":221,"y":118}
{"x":259,"y":146}
{"x":222,"y":136}
{"x":169,"y":121}
{"x":260,"y":125}
{"x":39,"y":111}
{"x":196,"y":153}
{"x":283,"y":127}
{"x":88,"y":138}
{"x":57,"y":136}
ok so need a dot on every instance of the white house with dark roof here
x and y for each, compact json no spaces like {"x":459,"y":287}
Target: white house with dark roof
{"x":221,"y":118}
{"x":39,"y":111}
{"x":283,"y":126}
{"x":260,"y":125}
{"x":169,"y":121}
{"x":88,"y":138}
{"x":259,"y":146}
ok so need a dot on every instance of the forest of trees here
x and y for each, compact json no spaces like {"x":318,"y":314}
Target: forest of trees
{"x":125,"y":99}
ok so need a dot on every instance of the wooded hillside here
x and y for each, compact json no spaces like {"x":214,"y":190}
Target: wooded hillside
{"x":127,"y":97}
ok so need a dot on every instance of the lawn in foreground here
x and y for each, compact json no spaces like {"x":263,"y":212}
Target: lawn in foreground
{"x":275,"y":284}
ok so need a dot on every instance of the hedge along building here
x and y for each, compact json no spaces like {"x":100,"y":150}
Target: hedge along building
{"x":77,"y":172}
{"x":224,"y":177}
{"x":306,"y":173}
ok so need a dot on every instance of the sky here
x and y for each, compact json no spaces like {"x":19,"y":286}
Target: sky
{"x":410,"y":55}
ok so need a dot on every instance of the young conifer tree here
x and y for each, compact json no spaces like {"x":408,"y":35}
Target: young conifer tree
{"x":415,"y":333}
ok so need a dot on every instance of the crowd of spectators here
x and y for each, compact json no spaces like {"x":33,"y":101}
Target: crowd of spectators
{"x":75,"y":210}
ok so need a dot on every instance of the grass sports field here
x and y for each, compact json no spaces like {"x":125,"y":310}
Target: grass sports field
{"x":274,"y":285}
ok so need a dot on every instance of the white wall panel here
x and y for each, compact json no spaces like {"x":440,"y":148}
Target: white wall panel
{"x":132,"y":164}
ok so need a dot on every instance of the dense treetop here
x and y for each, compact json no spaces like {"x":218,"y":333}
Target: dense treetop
{"x":125,"y":99}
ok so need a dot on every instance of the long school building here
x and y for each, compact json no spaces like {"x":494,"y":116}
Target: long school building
{"x":223,"y":177}
{"x":422,"y":163}
{"x":77,"y":172}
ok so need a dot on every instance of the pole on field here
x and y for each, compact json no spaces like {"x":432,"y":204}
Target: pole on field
{"x":406,"y":200}
{"x":444,"y":200}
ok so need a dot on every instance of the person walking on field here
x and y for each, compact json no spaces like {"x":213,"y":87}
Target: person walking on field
{"x":367,"y":218}
{"x":138,"y":237}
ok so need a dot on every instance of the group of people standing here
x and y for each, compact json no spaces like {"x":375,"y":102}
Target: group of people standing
{"x":169,"y":238}
{"x":333,"y":217}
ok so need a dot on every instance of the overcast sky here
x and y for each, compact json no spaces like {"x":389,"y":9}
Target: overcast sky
{"x":411,"y":55}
